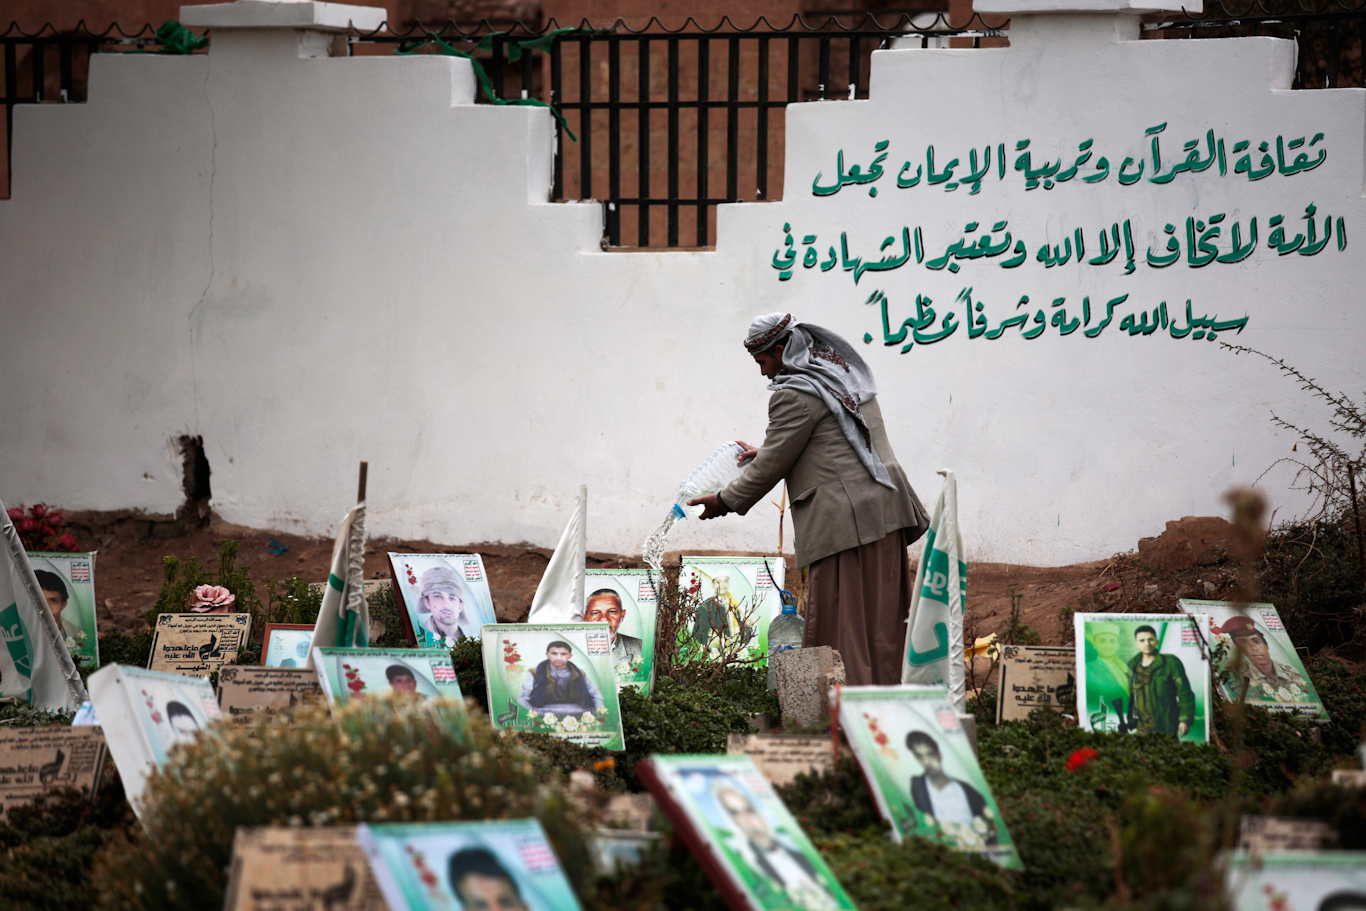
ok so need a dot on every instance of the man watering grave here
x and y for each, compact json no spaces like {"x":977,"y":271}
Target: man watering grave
{"x":853,"y":510}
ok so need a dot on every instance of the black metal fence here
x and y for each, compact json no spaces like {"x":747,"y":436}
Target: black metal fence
{"x":671,"y":123}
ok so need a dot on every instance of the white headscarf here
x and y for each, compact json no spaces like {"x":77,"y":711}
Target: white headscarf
{"x":819,"y":362}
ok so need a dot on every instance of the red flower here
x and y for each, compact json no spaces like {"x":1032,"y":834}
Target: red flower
{"x":15,"y":513}
{"x":55,"y":519}
{"x":38,"y":510}
{"x":1080,"y":759}
{"x":67,"y":543}
{"x":27,"y":525}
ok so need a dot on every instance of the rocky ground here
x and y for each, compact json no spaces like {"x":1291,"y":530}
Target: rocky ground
{"x":1188,"y":560}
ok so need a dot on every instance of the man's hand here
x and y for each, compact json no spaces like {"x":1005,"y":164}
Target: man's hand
{"x":749,"y":452}
{"x":711,"y":506}
{"x":1181,"y":729}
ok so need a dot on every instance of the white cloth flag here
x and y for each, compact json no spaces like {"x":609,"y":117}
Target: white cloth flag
{"x":934,"y":631}
{"x":559,"y":597}
{"x":35,"y":665}
{"x":344,"y":619}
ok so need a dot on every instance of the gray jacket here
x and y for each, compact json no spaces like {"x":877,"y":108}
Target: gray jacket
{"x":836,"y":504}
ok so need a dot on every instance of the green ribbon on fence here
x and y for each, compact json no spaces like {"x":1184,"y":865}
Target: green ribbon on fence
{"x":175,"y":38}
{"x":516,"y":47}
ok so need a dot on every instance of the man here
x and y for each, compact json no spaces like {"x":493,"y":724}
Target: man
{"x":1268,"y":679}
{"x":449,"y":608}
{"x":853,"y":511}
{"x":402,"y":679}
{"x":558,"y":686}
{"x":482,"y":883}
{"x":55,"y":591}
{"x":1160,"y":697}
{"x":716,"y":615}
{"x":788,"y":868}
{"x":957,"y":808}
{"x":182,"y":722}
{"x":604,"y":606}
{"x":1107,"y":676}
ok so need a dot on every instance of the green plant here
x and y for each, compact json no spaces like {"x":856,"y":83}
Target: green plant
{"x":182,"y":577}
{"x":119,"y":648}
{"x":833,"y":802}
{"x":1342,"y":807}
{"x":384,"y":611}
{"x":873,"y":870}
{"x":381,"y":760}
{"x":676,"y":718}
{"x":1016,"y":632}
{"x":1167,"y":848}
{"x":27,"y":716}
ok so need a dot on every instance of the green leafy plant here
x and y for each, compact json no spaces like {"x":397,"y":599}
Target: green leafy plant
{"x":381,"y":760}
{"x":182,"y":577}
{"x":47,"y":847}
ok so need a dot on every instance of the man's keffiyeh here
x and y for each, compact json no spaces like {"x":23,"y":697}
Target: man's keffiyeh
{"x":819,"y":362}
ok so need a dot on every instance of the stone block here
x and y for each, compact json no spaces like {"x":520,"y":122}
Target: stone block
{"x":804,"y":678}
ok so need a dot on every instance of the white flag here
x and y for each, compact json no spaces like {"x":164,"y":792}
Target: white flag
{"x":35,"y":665}
{"x":559,"y":597}
{"x":934,"y":630}
{"x":344,"y":619}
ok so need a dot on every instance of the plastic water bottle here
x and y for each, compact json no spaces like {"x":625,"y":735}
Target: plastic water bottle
{"x":711,"y":477}
{"x":784,"y":633}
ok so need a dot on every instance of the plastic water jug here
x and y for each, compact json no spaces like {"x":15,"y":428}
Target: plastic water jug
{"x":711,"y":477}
{"x":784,"y":633}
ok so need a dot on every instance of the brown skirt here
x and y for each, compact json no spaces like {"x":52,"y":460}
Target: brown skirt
{"x":856,"y":603}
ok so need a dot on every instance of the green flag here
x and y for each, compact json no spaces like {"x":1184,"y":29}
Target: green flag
{"x":934,"y":630}
{"x":344,"y":620}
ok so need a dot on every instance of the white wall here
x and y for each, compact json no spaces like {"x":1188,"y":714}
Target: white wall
{"x":310,"y":261}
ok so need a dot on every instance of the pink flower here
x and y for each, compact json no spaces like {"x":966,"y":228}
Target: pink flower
{"x":1080,"y":759}
{"x":55,"y":519}
{"x":67,"y":543}
{"x":27,"y":525}
{"x":212,"y":599}
{"x":15,"y":513}
{"x":38,"y":510}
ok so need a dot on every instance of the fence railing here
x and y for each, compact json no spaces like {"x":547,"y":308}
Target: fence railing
{"x":671,"y":123}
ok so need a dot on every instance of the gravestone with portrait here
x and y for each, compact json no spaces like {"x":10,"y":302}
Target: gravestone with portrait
{"x":920,"y":765}
{"x":437,"y":866}
{"x":68,"y":584}
{"x":1035,"y":677}
{"x":36,"y":760}
{"x":1144,"y":673}
{"x":736,"y":597}
{"x":554,"y":678}
{"x":144,"y":714}
{"x":741,"y":834}
{"x":358,"y":673}
{"x":286,"y":644}
{"x":627,"y":601}
{"x":279,"y":868}
{"x":197,"y":644}
{"x":442,"y":597}
{"x":246,"y":692}
{"x":1296,"y":881}
{"x":1255,"y":659}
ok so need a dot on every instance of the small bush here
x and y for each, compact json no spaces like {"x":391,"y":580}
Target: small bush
{"x":676,"y":719}
{"x":1343,"y":808}
{"x":379,"y":761}
{"x":874,"y":870}
{"x":182,"y":577}
{"x":130,"y":651}
{"x":46,"y":848}
{"x":834,"y":802}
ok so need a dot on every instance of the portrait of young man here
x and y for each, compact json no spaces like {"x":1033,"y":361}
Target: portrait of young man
{"x":1161,"y":700}
{"x":957,"y":808}
{"x":559,"y":686}
{"x":482,"y":883}
{"x":787,"y":867}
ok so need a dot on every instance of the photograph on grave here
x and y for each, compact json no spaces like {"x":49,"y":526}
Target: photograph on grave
{"x":737,"y":598}
{"x":920,"y":766}
{"x":741,"y":834}
{"x":286,"y":644}
{"x":1297,"y":881}
{"x":1034,"y":677}
{"x":355,"y":673}
{"x":508,"y":865}
{"x":244,"y":691}
{"x":68,"y":584}
{"x":35,"y":760}
{"x":144,"y":714}
{"x":554,"y":678}
{"x":1252,"y":644}
{"x":446,"y":597}
{"x":279,"y":868}
{"x":625,"y":599}
{"x":1143,"y":673}
{"x":197,"y":644}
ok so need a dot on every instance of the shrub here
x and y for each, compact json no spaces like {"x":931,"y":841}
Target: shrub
{"x":47,"y":847}
{"x":132,"y":651}
{"x":677,"y":718}
{"x":1342,"y":807}
{"x":381,"y":760}
{"x":182,"y":577}
{"x":834,"y":802}
{"x":874,"y":871}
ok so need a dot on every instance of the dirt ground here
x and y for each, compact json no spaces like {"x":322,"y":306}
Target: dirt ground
{"x":128,"y":571}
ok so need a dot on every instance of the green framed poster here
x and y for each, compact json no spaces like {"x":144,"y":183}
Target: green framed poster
{"x":628,"y":602}
{"x":922,"y":771}
{"x":1144,"y":673}
{"x":554,"y":678}
{"x":68,"y":584}
{"x":357,"y":673}
{"x":737,"y":599}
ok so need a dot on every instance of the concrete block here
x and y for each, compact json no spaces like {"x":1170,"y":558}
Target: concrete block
{"x":804,"y":678}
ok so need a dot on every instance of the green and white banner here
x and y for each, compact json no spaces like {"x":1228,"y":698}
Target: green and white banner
{"x":344,"y":620}
{"x":934,"y":629}
{"x":35,"y":664}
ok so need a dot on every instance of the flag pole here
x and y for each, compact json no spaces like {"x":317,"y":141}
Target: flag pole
{"x":360,"y":491}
